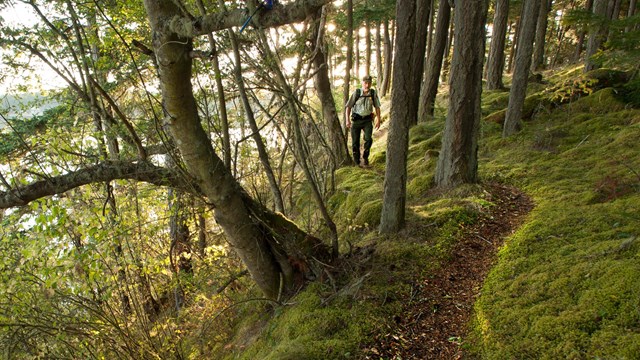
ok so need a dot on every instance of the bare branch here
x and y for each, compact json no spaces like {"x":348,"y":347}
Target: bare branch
{"x":107,"y":171}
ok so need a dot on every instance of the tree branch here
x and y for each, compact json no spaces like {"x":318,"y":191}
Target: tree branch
{"x":107,"y":171}
{"x":279,"y":15}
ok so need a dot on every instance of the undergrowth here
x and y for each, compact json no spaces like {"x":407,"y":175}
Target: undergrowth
{"x":565,"y":284}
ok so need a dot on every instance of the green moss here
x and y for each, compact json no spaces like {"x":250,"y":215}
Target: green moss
{"x":564,"y":286}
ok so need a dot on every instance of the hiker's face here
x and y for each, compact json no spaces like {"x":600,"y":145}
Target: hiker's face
{"x":366,"y":84}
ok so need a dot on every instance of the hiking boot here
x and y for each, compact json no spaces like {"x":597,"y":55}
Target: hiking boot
{"x":366,"y":162}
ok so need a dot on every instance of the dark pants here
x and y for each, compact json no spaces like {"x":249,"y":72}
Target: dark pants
{"x":357,"y":126}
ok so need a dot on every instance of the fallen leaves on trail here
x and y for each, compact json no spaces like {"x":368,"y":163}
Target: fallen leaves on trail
{"x":436,"y":313}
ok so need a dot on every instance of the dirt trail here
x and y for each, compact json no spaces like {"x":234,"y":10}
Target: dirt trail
{"x":434,"y":321}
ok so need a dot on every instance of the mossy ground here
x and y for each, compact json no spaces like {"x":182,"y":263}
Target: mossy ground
{"x":565,"y":285}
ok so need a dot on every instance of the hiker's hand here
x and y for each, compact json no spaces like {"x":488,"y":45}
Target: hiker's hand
{"x":378,"y":124}
{"x":348,"y":124}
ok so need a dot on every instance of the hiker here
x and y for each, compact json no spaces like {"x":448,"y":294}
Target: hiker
{"x":360,"y":115}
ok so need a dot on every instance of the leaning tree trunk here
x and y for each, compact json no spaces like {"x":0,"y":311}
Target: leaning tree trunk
{"x":458,"y":160}
{"x":495,"y":63}
{"x":240,"y":218}
{"x":417,"y":56}
{"x":541,"y":32}
{"x":408,"y":47}
{"x":434,"y":63}
{"x":337,"y":140}
{"x":581,"y":36}
{"x":517,"y":93}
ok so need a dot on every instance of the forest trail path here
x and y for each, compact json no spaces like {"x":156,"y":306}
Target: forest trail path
{"x":435,"y":319}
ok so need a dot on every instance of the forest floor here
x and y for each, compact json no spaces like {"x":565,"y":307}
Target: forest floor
{"x":435,"y":316}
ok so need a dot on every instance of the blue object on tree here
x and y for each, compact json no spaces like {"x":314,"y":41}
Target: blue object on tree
{"x":267,"y":4}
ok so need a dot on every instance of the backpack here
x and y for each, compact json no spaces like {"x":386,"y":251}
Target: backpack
{"x":372,"y":93}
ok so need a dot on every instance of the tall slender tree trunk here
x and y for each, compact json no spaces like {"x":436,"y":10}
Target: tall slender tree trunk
{"x":379,"y":71}
{"x":631,"y":11}
{"x":346,"y":92}
{"x":434,"y":63}
{"x":514,"y":44}
{"x":357,"y":53}
{"x":458,"y":159}
{"x":597,"y":35}
{"x":581,"y":35}
{"x":541,"y":33}
{"x":337,"y":140}
{"x":410,"y":45}
{"x":495,"y":63}
{"x":517,"y":93}
{"x":432,"y":15}
{"x":388,"y":59}
{"x":418,"y":57}
{"x":367,"y":42}
{"x":446,"y":66}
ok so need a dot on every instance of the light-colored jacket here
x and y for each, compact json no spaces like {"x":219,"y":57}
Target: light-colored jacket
{"x":365,"y":104}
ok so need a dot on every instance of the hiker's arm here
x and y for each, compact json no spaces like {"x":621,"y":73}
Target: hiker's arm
{"x":347,"y":117}
{"x":378,"y":118}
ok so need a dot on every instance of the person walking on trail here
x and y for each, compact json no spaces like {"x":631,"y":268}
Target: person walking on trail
{"x":360,"y":115}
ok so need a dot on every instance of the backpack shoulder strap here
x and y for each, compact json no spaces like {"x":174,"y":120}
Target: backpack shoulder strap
{"x":358,"y":94}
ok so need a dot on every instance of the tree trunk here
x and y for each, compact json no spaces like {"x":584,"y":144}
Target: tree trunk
{"x":434,"y":64}
{"x":367,"y":42}
{"x":410,"y":45}
{"x":388,"y":60}
{"x":235,"y":212}
{"x":495,"y":63}
{"x":346,"y":92}
{"x":630,"y":13}
{"x":337,"y":140}
{"x":458,"y":159}
{"x":517,"y":93}
{"x":597,"y":35}
{"x":514,"y":45}
{"x":379,"y":71}
{"x":446,"y":66}
{"x":418,"y":57}
{"x":432,"y":15}
{"x":581,"y":36}
{"x":541,"y":33}
{"x":357,"y":54}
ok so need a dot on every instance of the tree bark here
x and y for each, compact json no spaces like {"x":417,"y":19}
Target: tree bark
{"x":410,"y":45}
{"x":264,"y":257}
{"x":434,"y":64}
{"x":630,"y":13}
{"x":597,"y":35}
{"x":337,"y":139}
{"x":458,"y":159}
{"x":517,"y":93}
{"x":581,"y":35}
{"x":379,"y":71}
{"x":541,"y":33}
{"x":388,"y":60}
{"x":367,"y":42}
{"x":346,"y":93}
{"x":495,"y":63}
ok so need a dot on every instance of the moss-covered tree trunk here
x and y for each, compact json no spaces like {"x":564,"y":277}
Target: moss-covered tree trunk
{"x":458,"y":159}
{"x":518,"y":91}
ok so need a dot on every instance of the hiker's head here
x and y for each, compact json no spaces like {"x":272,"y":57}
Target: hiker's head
{"x":366,"y":81}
